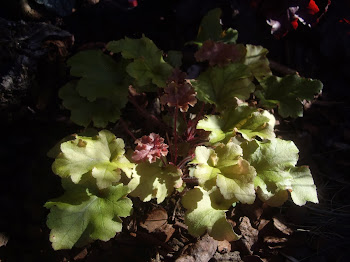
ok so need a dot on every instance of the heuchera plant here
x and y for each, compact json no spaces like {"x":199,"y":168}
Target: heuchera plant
{"x":220,"y":118}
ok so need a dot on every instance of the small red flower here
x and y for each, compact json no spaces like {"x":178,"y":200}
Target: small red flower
{"x":149,"y":148}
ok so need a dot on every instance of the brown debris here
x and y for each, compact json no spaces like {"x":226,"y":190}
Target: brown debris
{"x":281,"y":226}
{"x":202,"y":251}
{"x":81,"y":255}
{"x":224,"y":246}
{"x":155,"y":219}
{"x":157,"y":222}
{"x":249,"y":236}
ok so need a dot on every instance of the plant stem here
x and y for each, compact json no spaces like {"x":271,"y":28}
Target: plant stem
{"x":175,"y":135}
{"x":145,"y":113}
{"x":127,"y":129}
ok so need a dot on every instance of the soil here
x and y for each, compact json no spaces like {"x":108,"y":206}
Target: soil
{"x":33,"y":120}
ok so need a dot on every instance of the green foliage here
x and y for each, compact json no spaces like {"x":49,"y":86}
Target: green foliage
{"x":101,"y":91}
{"x":246,"y":120}
{"x":287,"y":93}
{"x":257,"y":61}
{"x":203,"y":215}
{"x":237,"y":159}
{"x":221,"y":85}
{"x":210,"y":28}
{"x":225,"y":168}
{"x":148,"y":65}
{"x":174,"y":58}
{"x":153,"y":180}
{"x":101,"y":156}
{"x":83,"y":112}
{"x":274,"y":162}
{"x":80,"y":216}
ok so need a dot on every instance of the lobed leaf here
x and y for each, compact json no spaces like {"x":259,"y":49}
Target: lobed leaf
{"x":287,"y":93}
{"x":243,"y":119}
{"x":100,"y":76}
{"x":148,"y":65}
{"x":78,"y":217}
{"x":303,"y":187}
{"x":83,"y":112}
{"x":221,"y":85}
{"x":257,"y":61}
{"x":203,"y":216}
{"x":211,"y":29}
{"x":153,"y":180}
{"x":102,"y":156}
{"x":274,"y":162}
{"x":224,"y":167}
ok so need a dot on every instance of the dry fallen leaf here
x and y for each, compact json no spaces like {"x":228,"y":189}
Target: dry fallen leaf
{"x":202,"y":251}
{"x":155,"y":219}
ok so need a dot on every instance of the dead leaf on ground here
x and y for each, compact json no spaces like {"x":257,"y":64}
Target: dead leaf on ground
{"x":281,"y":226}
{"x":224,"y":246}
{"x":249,"y":236}
{"x":202,"y":251}
{"x":227,"y":257}
{"x":155,"y":219}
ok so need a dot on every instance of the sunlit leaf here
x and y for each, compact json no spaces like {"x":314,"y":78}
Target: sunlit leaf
{"x":203,"y":216}
{"x":224,"y":167}
{"x":78,"y":216}
{"x":102,"y":156}
{"x":257,"y":61}
{"x":153,"y":180}
{"x":275,"y":162}
{"x":247,"y":121}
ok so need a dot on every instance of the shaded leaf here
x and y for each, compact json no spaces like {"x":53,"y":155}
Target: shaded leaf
{"x":287,"y":93}
{"x":101,"y":76}
{"x":79,"y":216}
{"x":210,"y":27}
{"x":202,"y":217}
{"x":102,"y":156}
{"x":174,"y":58}
{"x":83,"y":112}
{"x":221,"y":85}
{"x":148,"y":65}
